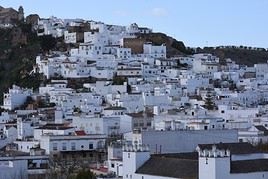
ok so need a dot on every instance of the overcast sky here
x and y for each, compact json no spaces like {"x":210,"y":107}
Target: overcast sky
{"x":195,"y":22}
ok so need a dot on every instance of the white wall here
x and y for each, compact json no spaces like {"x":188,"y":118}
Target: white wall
{"x":183,"y":141}
{"x":132,"y":161}
{"x":13,"y":169}
{"x":80,"y":143}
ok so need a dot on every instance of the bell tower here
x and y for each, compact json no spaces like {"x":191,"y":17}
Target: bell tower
{"x":214,"y":163}
{"x":21,"y":13}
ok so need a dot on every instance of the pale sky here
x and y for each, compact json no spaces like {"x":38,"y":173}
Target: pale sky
{"x":195,"y":22}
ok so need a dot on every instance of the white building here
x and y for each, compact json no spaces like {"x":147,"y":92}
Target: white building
{"x":51,"y":26}
{"x":115,"y":159}
{"x":154,"y":51}
{"x":261,"y":71}
{"x":231,"y":161}
{"x":205,"y":63}
{"x":70,"y":37}
{"x":25,"y":128}
{"x":108,"y":125}
{"x":15,"y":164}
{"x":16,"y":97}
{"x":218,"y":161}
{"x":62,"y":143}
{"x":257,"y":134}
{"x":180,"y":141}
{"x":52,"y":129}
{"x":89,"y":49}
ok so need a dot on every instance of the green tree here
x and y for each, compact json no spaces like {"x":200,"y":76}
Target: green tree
{"x":85,"y":174}
{"x":117,"y":80}
{"x":47,"y":42}
{"x":209,"y":102}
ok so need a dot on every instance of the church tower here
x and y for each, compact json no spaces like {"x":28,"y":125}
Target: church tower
{"x":21,"y":13}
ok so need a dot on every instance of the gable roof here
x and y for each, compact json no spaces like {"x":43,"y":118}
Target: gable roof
{"x":176,"y":166}
{"x":80,"y":133}
{"x":115,"y":108}
{"x":262,"y":128}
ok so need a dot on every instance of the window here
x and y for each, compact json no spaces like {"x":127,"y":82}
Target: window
{"x":112,"y":165}
{"x":90,"y":146}
{"x":128,"y":155}
{"x":205,"y":127}
{"x":64,"y":146}
{"x":73,"y":146}
{"x":55,"y":146}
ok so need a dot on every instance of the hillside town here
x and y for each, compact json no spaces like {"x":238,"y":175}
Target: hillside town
{"x":124,"y":108}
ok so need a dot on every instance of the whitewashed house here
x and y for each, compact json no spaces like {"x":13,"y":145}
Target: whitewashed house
{"x":205,"y":63}
{"x":261,"y":71}
{"x":154,"y":51}
{"x":16,"y":164}
{"x":257,"y":134}
{"x":63,"y":143}
{"x":25,"y":128}
{"x":52,"y":129}
{"x":16,"y":97}
{"x":70,"y":37}
{"x":51,"y":26}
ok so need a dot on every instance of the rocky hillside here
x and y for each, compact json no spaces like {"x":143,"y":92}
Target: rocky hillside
{"x":241,"y":55}
{"x":19,"y":47}
{"x":174,"y":47}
